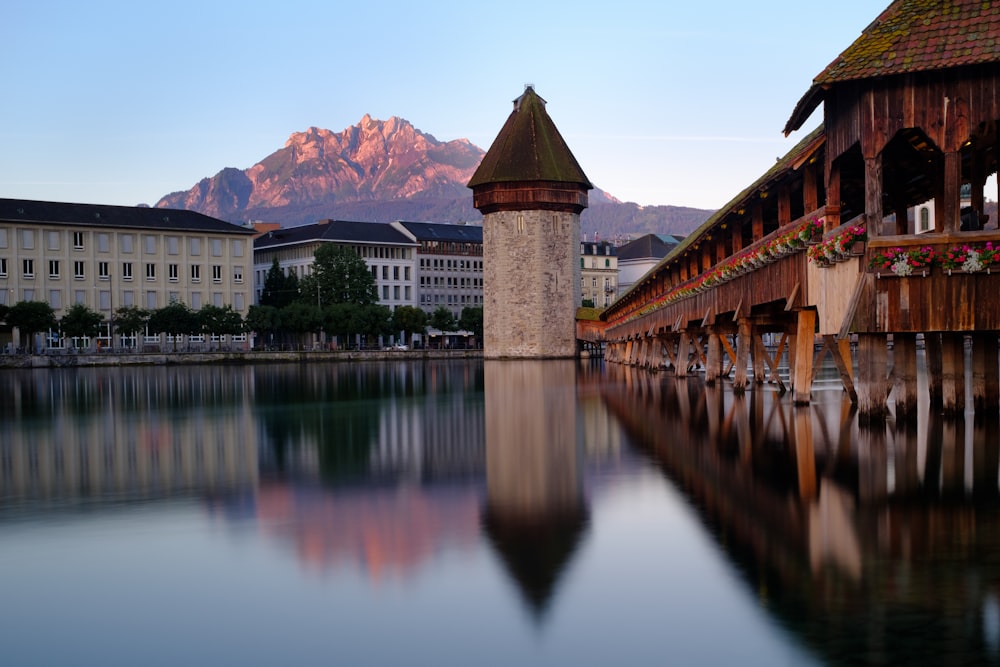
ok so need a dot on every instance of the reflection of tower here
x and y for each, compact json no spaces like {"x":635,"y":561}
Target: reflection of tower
{"x":535,"y":510}
{"x":530,"y":190}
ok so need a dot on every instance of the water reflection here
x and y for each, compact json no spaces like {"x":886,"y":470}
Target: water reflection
{"x":875,"y":546}
{"x":535,"y":512}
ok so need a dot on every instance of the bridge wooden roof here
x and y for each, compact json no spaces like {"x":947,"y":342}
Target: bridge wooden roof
{"x":911,"y":36}
{"x":529,"y":148}
{"x":791,"y":161}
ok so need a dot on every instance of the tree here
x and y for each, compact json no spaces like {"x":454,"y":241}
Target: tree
{"x":80,"y":321}
{"x":263,"y":320}
{"x":301,"y":318}
{"x":443,"y":320}
{"x":279,"y":289}
{"x":176,"y":319}
{"x":339,"y":275}
{"x":409,"y":320}
{"x":130,"y":320}
{"x":4,"y":309}
{"x":374,"y":320}
{"x":472,"y":320}
{"x":219,"y":321}
{"x":31,"y":317}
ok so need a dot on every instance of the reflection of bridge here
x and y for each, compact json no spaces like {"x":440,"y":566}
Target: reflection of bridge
{"x":917,"y":129}
{"x":873,"y":548}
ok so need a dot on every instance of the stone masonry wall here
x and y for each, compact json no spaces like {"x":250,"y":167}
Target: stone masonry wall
{"x":531,"y":279}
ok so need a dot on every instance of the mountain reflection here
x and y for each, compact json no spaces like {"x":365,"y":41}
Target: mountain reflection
{"x":874,"y":546}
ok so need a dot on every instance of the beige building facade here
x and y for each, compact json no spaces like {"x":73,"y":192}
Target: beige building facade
{"x":106,"y":257}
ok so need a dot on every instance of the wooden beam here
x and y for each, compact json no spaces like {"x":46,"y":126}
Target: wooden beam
{"x":873,"y":195}
{"x":904,"y":372}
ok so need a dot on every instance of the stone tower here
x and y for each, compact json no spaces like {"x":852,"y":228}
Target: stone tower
{"x":530,"y":190}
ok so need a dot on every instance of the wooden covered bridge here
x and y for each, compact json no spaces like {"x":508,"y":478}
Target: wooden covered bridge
{"x":827,"y":247}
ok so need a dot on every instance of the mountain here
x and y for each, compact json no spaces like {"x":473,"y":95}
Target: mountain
{"x":382,"y":171}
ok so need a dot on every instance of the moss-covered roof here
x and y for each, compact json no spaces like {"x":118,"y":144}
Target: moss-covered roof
{"x":529,"y":148}
{"x":911,"y":36}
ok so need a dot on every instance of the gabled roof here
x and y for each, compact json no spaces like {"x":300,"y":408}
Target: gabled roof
{"x":440,"y":231}
{"x":650,"y":246}
{"x":343,"y":231}
{"x":133,"y":217}
{"x":911,"y":36}
{"x":529,"y":148}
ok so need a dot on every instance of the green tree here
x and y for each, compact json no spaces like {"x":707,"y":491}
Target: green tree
{"x":279,"y":289}
{"x":374,"y":320}
{"x":219,"y":321}
{"x":339,"y":275}
{"x":409,"y":320}
{"x":80,"y":321}
{"x":443,"y":320}
{"x":31,"y":317}
{"x":471,"y":319}
{"x":176,"y":319}
{"x":130,"y":320}
{"x":264,"y":321}
{"x":301,"y":318}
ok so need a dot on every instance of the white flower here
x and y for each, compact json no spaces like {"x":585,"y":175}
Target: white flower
{"x":972,"y":262}
{"x":901,"y":267}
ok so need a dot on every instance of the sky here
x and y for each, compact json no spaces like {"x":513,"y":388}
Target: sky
{"x":675,"y":103}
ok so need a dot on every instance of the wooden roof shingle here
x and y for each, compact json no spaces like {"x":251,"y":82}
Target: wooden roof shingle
{"x":911,"y":36}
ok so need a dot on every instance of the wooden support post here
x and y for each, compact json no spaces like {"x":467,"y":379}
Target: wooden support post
{"x":949,"y":210}
{"x":873,"y":195}
{"x":985,"y":374}
{"x":742,"y":354}
{"x":805,"y":331}
{"x":683,"y":348}
{"x":713,"y":365}
{"x":872,"y":370}
{"x":904,"y":371}
{"x":932,"y":354}
{"x":952,"y":374}
{"x":810,"y":193}
{"x":758,"y":353}
{"x":832,"y":193}
{"x":757,"y":221}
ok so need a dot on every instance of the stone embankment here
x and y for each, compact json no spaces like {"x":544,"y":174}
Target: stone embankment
{"x":169,"y":358}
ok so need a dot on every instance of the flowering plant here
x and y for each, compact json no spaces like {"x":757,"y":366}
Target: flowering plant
{"x":970,"y":258}
{"x":810,"y":230}
{"x":901,"y":262}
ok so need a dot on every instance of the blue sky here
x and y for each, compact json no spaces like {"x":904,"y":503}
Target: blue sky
{"x":661,"y":102}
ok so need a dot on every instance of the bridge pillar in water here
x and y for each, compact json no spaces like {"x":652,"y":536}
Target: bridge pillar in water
{"x":801,"y":360}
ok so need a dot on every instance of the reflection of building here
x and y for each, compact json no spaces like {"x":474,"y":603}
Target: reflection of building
{"x":535,"y":508}
{"x":140,"y":439}
{"x":106,"y":257}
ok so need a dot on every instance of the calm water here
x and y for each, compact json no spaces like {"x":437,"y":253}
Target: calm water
{"x":506,"y":513}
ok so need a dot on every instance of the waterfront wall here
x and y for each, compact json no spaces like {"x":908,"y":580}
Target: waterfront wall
{"x":169,"y":358}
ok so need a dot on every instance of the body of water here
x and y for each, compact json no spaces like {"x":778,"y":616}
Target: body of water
{"x":483,"y":513}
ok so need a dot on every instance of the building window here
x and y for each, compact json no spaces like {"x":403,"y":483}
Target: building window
{"x":385,"y":292}
{"x":216,"y":273}
{"x":374,"y":272}
{"x":607,"y":264}
{"x":102,"y":271}
{"x":217,"y":299}
{"x":78,"y":270}
{"x":80,"y":296}
{"x":196,"y":300}
{"x":3,"y":238}
{"x":195,"y":273}
{"x":395,"y":292}
{"x":103,"y":243}
{"x":151,"y":300}
{"x":149,"y":241}
{"x":406,"y":273}
{"x":385,"y":272}
{"x":126,"y":270}
{"x":54,"y":269}
{"x":925,"y":219}
{"x":27,"y":239}
{"x":78,"y":240}
{"x":239,"y":301}
{"x":126,"y":241}
{"x":237,"y":274}
{"x":216,"y":247}
{"x":395,"y":273}
{"x":194,"y":246}
{"x":55,"y":299}
{"x":150,"y":271}
{"x":53,"y":238}
{"x":238,"y":247}
{"x":3,"y":267}
{"x":28,"y":268}
{"x":173,"y":245}
{"x":172,"y":272}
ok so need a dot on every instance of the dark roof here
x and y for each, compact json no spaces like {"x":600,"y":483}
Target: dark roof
{"x":645,"y":247}
{"x":159,"y":219}
{"x":529,"y":148}
{"x":345,"y":231}
{"x":440,"y":231}
{"x":911,"y":36}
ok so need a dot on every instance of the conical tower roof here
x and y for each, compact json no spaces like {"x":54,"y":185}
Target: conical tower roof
{"x":529,"y":148}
